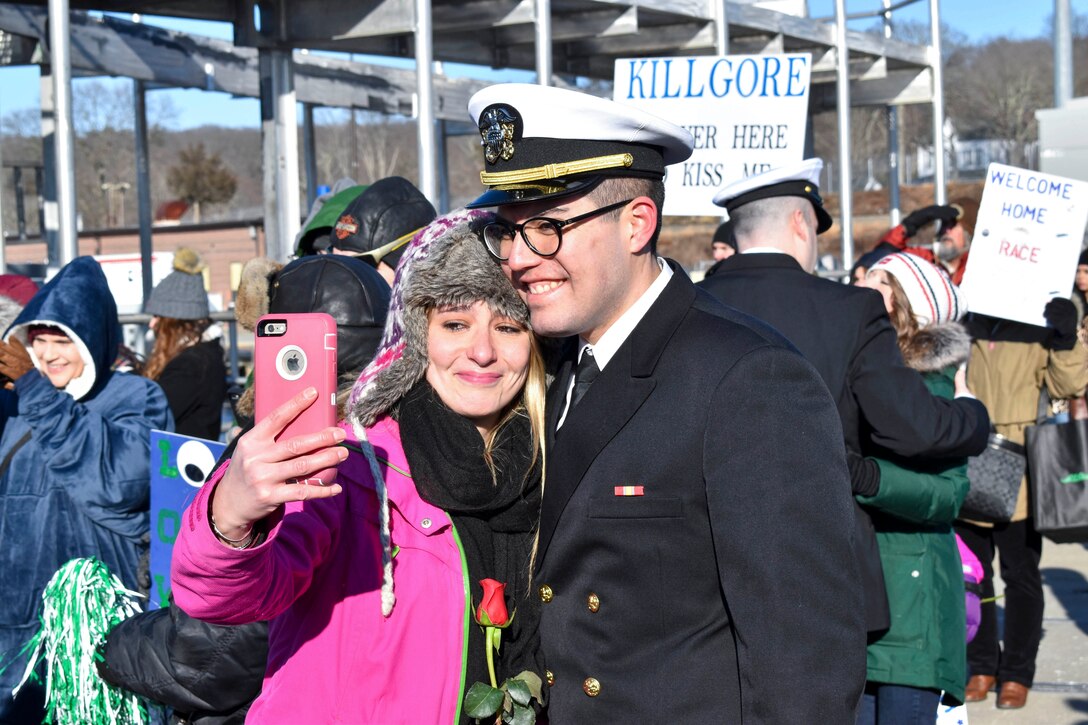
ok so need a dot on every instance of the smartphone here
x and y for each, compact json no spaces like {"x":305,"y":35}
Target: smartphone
{"x":291,"y":353}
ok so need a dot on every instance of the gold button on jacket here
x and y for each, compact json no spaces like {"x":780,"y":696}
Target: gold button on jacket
{"x":591,"y":686}
{"x":593,"y":602}
{"x":545,"y":593}
{"x":549,"y":677}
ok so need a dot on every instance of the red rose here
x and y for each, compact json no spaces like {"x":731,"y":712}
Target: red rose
{"x":492,"y":609}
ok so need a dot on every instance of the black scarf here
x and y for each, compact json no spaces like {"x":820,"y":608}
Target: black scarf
{"x":496,"y":520}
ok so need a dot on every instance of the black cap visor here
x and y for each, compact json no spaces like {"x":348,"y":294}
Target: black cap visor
{"x":534,"y":191}
{"x":802,"y":189}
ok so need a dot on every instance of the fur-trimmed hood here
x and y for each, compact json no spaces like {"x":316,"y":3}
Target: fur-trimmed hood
{"x":936,"y":347}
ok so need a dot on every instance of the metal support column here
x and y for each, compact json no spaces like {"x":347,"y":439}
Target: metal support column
{"x":543,"y":10}
{"x":143,"y":183}
{"x":892,"y":115}
{"x":721,"y":27}
{"x":269,"y":153}
{"x":288,"y":215}
{"x":842,"y":83}
{"x":64,"y":168}
{"x":428,"y":183}
{"x":47,"y":190}
{"x":1063,"y":53}
{"x":443,"y":205}
{"x":309,"y":154}
{"x":940,"y":193}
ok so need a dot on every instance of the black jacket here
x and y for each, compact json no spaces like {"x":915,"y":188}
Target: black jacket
{"x":884,"y":406}
{"x":731,"y":573}
{"x":209,"y":674}
{"x":195,"y":383}
{"x":845,"y":333}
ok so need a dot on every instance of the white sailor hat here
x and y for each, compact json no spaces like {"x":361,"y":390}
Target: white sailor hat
{"x":541,"y":142}
{"x":800,"y":179}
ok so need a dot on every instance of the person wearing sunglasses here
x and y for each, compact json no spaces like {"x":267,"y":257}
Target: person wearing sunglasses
{"x":683,"y":439}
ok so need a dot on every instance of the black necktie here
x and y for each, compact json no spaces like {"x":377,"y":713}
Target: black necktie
{"x":584,"y":375}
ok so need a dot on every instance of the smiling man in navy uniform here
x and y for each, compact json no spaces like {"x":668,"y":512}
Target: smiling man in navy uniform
{"x":694,"y":550}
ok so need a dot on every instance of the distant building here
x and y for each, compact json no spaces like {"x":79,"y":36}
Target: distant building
{"x":968,"y":158}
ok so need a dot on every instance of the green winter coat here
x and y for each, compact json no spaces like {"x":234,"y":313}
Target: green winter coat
{"x":912,"y":513}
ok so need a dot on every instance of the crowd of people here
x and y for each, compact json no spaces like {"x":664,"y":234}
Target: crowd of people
{"x":570,"y":483}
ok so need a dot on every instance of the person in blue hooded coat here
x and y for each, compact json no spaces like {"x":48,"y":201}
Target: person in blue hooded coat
{"x":74,"y":457}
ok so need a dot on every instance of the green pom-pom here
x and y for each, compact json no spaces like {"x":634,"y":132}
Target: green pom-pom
{"x":80,"y":605}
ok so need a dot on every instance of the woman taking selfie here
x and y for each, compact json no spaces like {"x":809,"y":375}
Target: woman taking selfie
{"x":371,"y":582}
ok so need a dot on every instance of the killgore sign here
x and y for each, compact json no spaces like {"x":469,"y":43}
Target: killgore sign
{"x":746,"y":113}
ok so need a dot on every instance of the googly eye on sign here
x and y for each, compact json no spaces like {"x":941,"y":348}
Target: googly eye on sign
{"x":195,"y":462}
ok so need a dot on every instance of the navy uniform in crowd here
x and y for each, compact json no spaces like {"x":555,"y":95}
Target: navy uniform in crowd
{"x":694,"y":551}
{"x":844,"y":331}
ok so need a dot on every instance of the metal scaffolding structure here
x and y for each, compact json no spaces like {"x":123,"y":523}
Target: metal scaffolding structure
{"x":561,"y":40}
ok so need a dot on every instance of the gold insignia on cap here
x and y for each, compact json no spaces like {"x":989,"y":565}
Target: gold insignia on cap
{"x":557,"y":171}
{"x":497,"y":134}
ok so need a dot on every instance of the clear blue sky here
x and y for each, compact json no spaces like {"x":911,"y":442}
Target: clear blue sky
{"x":1014,"y":18}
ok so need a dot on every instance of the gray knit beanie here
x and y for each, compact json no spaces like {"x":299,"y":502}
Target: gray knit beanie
{"x":181,"y":294}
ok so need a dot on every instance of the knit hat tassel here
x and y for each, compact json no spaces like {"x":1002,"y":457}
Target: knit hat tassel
{"x":389,"y":598}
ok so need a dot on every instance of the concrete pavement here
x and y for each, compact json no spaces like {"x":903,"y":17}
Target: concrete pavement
{"x":1060,"y":694}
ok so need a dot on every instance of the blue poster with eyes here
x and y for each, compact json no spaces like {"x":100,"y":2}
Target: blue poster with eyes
{"x":179,"y":467}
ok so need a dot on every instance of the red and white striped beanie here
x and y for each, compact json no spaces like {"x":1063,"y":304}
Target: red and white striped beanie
{"x":932,"y":296}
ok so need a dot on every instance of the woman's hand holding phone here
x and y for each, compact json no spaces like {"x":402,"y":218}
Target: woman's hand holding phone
{"x":265,"y":474}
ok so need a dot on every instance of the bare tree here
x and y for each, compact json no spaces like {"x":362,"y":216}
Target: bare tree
{"x":200,"y":178}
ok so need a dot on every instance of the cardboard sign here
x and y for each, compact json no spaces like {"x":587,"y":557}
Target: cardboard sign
{"x":1026,"y":243}
{"x":179,"y":467}
{"x":746,"y":113}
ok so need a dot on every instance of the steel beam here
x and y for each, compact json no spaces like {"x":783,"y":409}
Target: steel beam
{"x":64,"y":168}
{"x":937,"y":63}
{"x":425,"y":117}
{"x":846,"y":192}
{"x":143,"y":183}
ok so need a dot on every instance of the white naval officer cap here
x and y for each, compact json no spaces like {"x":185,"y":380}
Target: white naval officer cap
{"x":800,"y":179}
{"x":541,"y":142}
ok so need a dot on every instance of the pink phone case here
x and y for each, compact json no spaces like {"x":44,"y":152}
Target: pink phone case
{"x":285,"y":364}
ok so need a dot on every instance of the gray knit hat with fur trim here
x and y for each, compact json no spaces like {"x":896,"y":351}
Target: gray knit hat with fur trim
{"x":445,"y":264}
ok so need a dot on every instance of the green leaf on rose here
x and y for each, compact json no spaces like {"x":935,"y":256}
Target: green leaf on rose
{"x":533,"y":682}
{"x":519,"y":691}
{"x":483,"y":700}
{"x":522,"y":716}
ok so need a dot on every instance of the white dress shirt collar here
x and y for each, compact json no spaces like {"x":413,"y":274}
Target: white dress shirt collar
{"x":621,"y":329}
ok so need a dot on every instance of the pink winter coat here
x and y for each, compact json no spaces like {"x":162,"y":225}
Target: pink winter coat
{"x":333,"y":657}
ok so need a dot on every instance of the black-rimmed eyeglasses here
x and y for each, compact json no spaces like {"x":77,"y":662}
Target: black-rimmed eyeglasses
{"x":542,"y":234}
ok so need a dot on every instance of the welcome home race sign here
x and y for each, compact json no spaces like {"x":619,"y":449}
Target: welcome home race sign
{"x":746,"y":113}
{"x":1027,"y":239}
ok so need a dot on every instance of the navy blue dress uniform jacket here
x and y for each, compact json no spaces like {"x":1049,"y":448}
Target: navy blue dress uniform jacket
{"x":732,"y":575}
{"x":845,"y":333}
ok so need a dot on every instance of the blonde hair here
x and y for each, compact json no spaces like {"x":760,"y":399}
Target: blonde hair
{"x":531,"y":405}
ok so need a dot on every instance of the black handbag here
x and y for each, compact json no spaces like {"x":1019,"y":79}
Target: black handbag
{"x":1058,"y":476}
{"x":995,"y":476}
